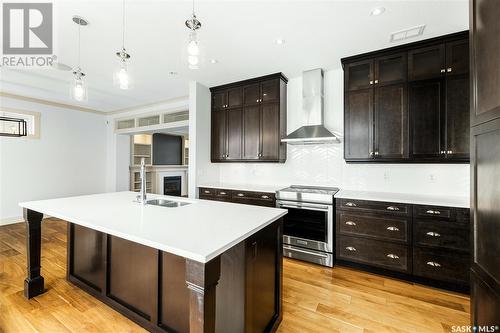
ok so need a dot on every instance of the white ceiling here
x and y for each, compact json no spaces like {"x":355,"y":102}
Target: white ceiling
{"x":239,"y":34}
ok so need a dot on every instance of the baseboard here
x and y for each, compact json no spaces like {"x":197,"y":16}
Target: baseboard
{"x":16,"y":219}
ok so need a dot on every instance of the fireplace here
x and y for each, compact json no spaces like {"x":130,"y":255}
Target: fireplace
{"x":172,"y":185}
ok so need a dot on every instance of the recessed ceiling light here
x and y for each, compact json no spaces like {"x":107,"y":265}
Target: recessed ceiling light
{"x":377,"y":11}
{"x":214,"y":61}
{"x":279,"y":41}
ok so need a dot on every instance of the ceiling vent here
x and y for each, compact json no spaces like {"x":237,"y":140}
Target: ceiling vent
{"x":407,"y":33}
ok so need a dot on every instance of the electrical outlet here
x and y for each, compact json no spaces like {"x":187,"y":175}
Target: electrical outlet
{"x":432,"y":178}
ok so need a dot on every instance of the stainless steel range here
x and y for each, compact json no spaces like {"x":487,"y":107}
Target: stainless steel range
{"x":309,"y":225}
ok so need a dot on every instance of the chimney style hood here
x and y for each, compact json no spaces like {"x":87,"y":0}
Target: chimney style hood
{"x":313,"y":109}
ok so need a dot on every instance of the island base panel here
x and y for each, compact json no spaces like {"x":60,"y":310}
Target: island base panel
{"x":34,"y":283}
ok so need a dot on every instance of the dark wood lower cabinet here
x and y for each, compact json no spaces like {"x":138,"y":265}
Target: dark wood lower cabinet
{"x":151,"y":287}
{"x":243,"y":197}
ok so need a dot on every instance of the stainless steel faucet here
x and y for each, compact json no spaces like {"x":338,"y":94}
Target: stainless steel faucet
{"x":141,"y":198}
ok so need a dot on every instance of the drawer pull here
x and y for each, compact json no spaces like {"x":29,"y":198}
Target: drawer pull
{"x":391,"y":228}
{"x":393,"y":256}
{"x":206,"y":192}
{"x":240,"y":194}
{"x":301,"y":242}
{"x":433,"y":264}
{"x":350,"y":248}
{"x":222,"y":193}
{"x":265,"y":197}
{"x":350,"y":223}
{"x":350,"y":204}
{"x":393,"y":208}
{"x":434,"y":212}
{"x":433,"y":234}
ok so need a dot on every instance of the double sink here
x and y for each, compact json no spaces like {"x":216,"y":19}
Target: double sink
{"x":166,"y":203}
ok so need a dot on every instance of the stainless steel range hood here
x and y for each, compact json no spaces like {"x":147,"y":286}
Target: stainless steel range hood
{"x":313,"y":111}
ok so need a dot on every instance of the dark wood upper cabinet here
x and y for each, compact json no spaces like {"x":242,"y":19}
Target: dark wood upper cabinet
{"x":391,"y":69}
{"x":391,"y":122}
{"x":426,"y":108}
{"x":359,"y":75}
{"x":408,"y":103}
{"x":426,"y":62}
{"x":249,"y":120}
{"x":358,"y":125}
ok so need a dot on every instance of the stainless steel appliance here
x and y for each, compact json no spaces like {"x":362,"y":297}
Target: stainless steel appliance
{"x":308,"y":228}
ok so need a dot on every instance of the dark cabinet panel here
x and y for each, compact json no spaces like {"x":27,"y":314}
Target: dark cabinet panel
{"x":270,"y":91}
{"x":442,"y":234}
{"x":251,"y":132}
{"x":457,"y":121}
{"x":391,"y":69}
{"x":391,"y":122}
{"x":457,"y":57}
{"x":426,"y":62}
{"x":426,"y":108}
{"x":270,"y":134}
{"x":234,"y":134}
{"x":441,"y":265}
{"x":219,"y":139}
{"x":234,"y":97}
{"x":219,"y":100}
{"x":381,"y":227}
{"x":359,"y":75}
{"x":485,"y":303}
{"x":251,"y":94}
{"x":358,"y":122}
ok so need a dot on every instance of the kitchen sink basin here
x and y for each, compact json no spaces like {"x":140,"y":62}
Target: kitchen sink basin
{"x":166,"y":203}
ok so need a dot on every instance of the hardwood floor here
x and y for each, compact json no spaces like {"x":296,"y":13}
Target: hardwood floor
{"x":316,"y":299}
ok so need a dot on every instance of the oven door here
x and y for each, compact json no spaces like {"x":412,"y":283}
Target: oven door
{"x":308,"y":225}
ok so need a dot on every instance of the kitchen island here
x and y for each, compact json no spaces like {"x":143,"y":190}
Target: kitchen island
{"x":200,"y":266}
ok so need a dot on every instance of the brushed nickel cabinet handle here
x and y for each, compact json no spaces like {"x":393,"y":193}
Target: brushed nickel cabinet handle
{"x":433,"y":234}
{"x":264,"y":196}
{"x":376,"y":153}
{"x":450,"y":152}
{"x":434,"y":212}
{"x":376,"y":81}
{"x":302,"y":242}
{"x":371,"y":82}
{"x":257,"y":100}
{"x":391,"y":228}
{"x":392,"y":256}
{"x":350,"y":223}
{"x":393,"y":208}
{"x":350,"y":248}
{"x":222,"y":193}
{"x":449,"y":69}
{"x":443,"y":70}
{"x":433,"y":264}
{"x":240,"y":194}
{"x":206,"y":191}
{"x":371,"y":153}
{"x":350,"y":204}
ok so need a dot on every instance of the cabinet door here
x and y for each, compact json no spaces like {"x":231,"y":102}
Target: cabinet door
{"x":391,"y":69}
{"x":391,"y":122}
{"x":270,"y":90}
{"x":234,"y":134}
{"x":457,"y":117}
{"x":457,"y":57}
{"x":270,"y":133}
{"x":426,"y":107}
{"x":219,"y":100}
{"x":234,"y":97}
{"x":218,"y":144}
{"x":358,"y":121}
{"x":251,"y":132}
{"x":359,"y":75}
{"x":251,"y":94}
{"x":426,"y":62}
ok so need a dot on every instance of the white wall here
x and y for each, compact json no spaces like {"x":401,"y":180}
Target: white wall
{"x":200,"y":168}
{"x":324,"y":164}
{"x":68,"y":159}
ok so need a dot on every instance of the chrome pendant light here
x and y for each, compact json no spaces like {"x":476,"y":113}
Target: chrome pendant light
{"x":121,"y":77}
{"x":193,"y":48}
{"x":78,"y":89}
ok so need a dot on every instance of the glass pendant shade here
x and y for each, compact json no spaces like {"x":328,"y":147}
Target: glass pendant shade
{"x":193,"y":50}
{"x":122,"y":77}
{"x":78,"y":89}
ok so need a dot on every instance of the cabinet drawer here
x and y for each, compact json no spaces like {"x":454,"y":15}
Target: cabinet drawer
{"x":373,"y":252}
{"x":221,"y":193}
{"x":375,"y":206}
{"x":441,"y":265}
{"x":388,"y":228}
{"x":253,"y":195}
{"x":442,"y":234}
{"x":206,"y":192}
{"x":437,"y":212}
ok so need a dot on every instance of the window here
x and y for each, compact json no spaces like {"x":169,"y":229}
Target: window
{"x":32,"y":121}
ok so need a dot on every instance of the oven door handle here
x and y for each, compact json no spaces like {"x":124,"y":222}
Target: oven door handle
{"x":304,"y":251}
{"x":302,"y":206}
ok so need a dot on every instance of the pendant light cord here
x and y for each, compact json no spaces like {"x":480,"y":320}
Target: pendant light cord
{"x":79,"y":41}
{"x":193,"y":8}
{"x":123,"y":25}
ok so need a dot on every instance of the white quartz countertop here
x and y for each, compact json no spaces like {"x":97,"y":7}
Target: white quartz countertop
{"x":200,"y":231}
{"x":245,"y":187}
{"x":418,"y":199}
